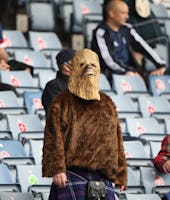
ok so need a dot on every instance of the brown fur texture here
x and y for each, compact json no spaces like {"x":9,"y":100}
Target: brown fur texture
{"x":84,"y":81}
{"x":85,"y":134}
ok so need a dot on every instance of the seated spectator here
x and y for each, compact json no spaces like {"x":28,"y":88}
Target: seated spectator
{"x":116,"y":43}
{"x":162,"y":160}
{"x":55,"y":86}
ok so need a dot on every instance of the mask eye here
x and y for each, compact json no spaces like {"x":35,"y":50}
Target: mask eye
{"x":81,"y":65}
{"x":93,"y":65}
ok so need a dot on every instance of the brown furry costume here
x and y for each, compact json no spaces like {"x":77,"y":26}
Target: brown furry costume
{"x":84,"y":133}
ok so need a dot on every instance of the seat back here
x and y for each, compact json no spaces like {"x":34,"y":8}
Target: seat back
{"x":16,"y":195}
{"x":142,"y":196}
{"x":36,"y":150}
{"x":104,"y":83}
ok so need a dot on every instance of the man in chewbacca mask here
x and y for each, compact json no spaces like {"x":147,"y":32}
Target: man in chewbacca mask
{"x":83,"y":148}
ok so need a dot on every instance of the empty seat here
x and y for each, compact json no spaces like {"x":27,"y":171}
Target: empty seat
{"x":35,"y":150}
{"x":146,"y":128}
{"x":155,"y":181}
{"x":35,"y":59}
{"x":16,"y":195}
{"x":138,"y":157}
{"x":142,"y":197}
{"x":6,"y":183}
{"x":44,"y":77}
{"x":12,"y":152}
{"x":83,"y":8}
{"x":157,"y":107}
{"x":125,"y":106}
{"x":24,"y":127}
{"x":42,"y":20}
{"x":154,"y":148}
{"x":104,"y":83}
{"x":31,"y":180}
{"x":134,"y":86}
{"x":21,"y":80}
{"x":41,"y":41}
{"x":159,"y":85}
{"x":33,"y":103}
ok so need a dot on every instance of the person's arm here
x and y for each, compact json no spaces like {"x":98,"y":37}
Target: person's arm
{"x":3,"y":55}
{"x":141,"y":46}
{"x":161,"y":161}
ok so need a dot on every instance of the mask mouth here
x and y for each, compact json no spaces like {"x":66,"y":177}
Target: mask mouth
{"x":88,"y":71}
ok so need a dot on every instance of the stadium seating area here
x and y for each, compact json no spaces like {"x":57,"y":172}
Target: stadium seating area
{"x":143,"y":110}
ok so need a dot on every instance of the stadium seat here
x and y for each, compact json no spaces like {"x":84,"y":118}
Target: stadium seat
{"x":167,"y":125}
{"x":36,"y":59}
{"x":9,"y":104}
{"x":6,"y":183}
{"x":142,"y":197}
{"x":21,"y":80}
{"x":138,"y":157}
{"x":33,"y":103}
{"x":157,"y":107}
{"x":12,"y":152}
{"x":154,"y":148}
{"x":16,"y":196}
{"x":31,"y":180}
{"x":159,"y":85}
{"x":133,"y":184}
{"x":146,"y":128}
{"x":155,"y":181}
{"x":134,"y":86}
{"x":42,"y":20}
{"x":14,"y":39}
{"x":44,"y":41}
{"x":44,"y":78}
{"x":25,"y":127}
{"x":36,"y":150}
{"x":125,"y":106}
{"x":82,"y":9}
{"x":104,"y":83}
{"x":65,"y":11}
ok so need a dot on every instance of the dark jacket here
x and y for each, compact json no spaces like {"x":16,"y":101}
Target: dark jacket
{"x":105,"y":48}
{"x":53,"y":88}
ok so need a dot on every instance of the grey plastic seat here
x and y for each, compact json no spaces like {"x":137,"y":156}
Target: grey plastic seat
{"x":42,"y":20}
{"x":154,"y":148}
{"x":36,"y":59}
{"x":134,"y":86}
{"x":142,"y":197}
{"x":6,"y":183}
{"x":31,"y":180}
{"x":125,"y":106}
{"x":147,"y":128}
{"x":41,"y":41}
{"x":12,"y":152}
{"x":36,"y":150}
{"x":9,"y":103}
{"x":33,"y":103}
{"x":45,"y":77}
{"x":136,"y":154}
{"x":21,"y":80}
{"x":157,"y":107}
{"x":16,"y":195}
{"x":159,"y":85}
{"x":83,"y":8}
{"x":14,"y":39}
{"x":155,"y":181}
{"x":26,"y":126}
{"x":104,"y":84}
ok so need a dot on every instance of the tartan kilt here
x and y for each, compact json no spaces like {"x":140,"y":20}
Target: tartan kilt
{"x":76,"y":188}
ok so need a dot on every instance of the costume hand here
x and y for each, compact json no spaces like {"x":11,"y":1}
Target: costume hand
{"x":122,"y":187}
{"x":158,"y":72}
{"x":60,"y":179}
{"x":166,"y":167}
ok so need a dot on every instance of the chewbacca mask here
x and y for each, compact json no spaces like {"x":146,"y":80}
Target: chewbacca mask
{"x":84,"y":81}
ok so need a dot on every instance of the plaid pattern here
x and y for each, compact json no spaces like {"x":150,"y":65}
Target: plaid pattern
{"x":164,"y":153}
{"x":76,"y":187}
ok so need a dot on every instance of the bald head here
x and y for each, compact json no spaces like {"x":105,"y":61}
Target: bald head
{"x":117,"y":13}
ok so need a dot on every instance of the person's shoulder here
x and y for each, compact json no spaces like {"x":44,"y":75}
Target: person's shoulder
{"x":106,"y":99}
